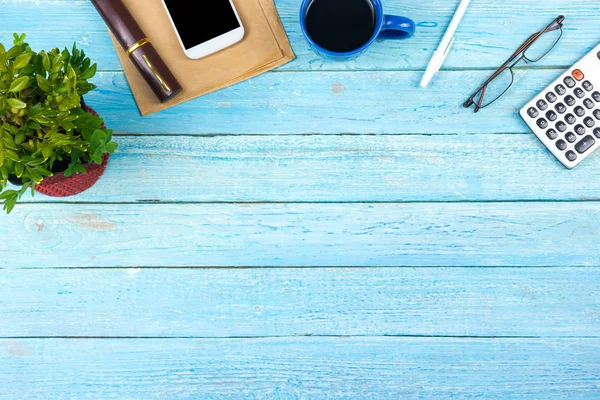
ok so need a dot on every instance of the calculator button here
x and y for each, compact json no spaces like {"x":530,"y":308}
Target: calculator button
{"x":570,"y":137}
{"x":597,"y":114}
{"x":561,"y":145}
{"x":542,"y":123}
{"x":571,"y":155}
{"x":588,"y":103}
{"x":561,"y":108}
{"x":579,"y":111}
{"x":560,"y":89}
{"x":542,"y":105}
{"x":589,"y":122}
{"x":551,"y":97}
{"x":570,"y":82}
{"x":552,"y":134}
{"x":533,"y":112}
{"x":579,"y":93}
{"x":561,"y":126}
{"x":551,"y":115}
{"x":570,"y":100}
{"x":585,"y":144}
{"x":570,"y":118}
{"x":578,"y":75}
{"x":587,"y":85}
{"x":597,"y":132}
{"x":580,"y":129}
{"x":596,"y":96}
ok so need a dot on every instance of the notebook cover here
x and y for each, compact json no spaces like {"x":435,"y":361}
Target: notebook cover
{"x":265,"y":46}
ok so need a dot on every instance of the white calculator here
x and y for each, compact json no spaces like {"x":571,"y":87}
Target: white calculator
{"x":566,"y":115}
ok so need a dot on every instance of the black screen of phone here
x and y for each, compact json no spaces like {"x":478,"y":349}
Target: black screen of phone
{"x":199,"y":22}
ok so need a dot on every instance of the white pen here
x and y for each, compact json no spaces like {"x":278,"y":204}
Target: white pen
{"x":444,"y":48}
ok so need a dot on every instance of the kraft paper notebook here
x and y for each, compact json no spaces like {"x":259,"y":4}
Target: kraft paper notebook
{"x":265,"y":46}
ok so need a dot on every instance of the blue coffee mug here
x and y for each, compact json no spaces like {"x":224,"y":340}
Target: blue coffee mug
{"x":386,"y":27}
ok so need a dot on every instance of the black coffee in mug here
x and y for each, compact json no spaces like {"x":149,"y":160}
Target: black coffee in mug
{"x":340,"y":25}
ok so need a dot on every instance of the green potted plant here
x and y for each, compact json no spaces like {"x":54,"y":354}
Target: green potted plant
{"x":50,"y":141}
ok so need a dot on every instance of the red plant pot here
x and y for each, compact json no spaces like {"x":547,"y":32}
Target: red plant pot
{"x":58,"y":185}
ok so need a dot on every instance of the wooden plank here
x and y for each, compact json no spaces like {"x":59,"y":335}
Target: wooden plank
{"x":327,"y":103}
{"x":345,"y":168}
{"x":414,"y":234}
{"x":306,"y":368}
{"x":549,"y":302}
{"x":486,"y":37}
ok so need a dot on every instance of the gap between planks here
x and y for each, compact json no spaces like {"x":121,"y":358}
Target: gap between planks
{"x":355,"y":267}
{"x":391,"y":337}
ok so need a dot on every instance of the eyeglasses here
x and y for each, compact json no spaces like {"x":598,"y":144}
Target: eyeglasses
{"x":531,"y":51}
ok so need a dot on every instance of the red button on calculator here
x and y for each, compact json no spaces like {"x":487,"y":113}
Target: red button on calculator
{"x":577,"y":74}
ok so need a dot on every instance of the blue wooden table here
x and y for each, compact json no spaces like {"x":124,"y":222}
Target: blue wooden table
{"x":326,"y":230}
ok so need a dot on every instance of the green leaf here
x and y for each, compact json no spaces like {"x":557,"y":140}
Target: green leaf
{"x":35,"y":162}
{"x":46,"y":151}
{"x":7,"y":194}
{"x":19,"y":169}
{"x":97,"y":137}
{"x":14,"y":51}
{"x":46,"y":62}
{"x":12,"y":129}
{"x":35,"y":110}
{"x":19,"y":84}
{"x":36,"y":176}
{"x":44,"y":171}
{"x":111,"y":147}
{"x":89,"y":73}
{"x":2,"y":49}
{"x":1,"y":157}
{"x":9,"y":143}
{"x":20,"y":138}
{"x":61,"y":89}
{"x":57,"y":58}
{"x":22,"y":60}
{"x":11,"y":155}
{"x":23,"y":189}
{"x":43,"y":83}
{"x":28,"y":70}
{"x":10,"y":203}
{"x":57,"y":66}
{"x":16,"y":103}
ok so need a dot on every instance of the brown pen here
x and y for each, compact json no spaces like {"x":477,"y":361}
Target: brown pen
{"x":138,"y":47}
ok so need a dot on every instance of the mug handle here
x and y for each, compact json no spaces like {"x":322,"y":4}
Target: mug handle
{"x":396,"y":27}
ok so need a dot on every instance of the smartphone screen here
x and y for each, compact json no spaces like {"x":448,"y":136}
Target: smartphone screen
{"x":199,"y":22}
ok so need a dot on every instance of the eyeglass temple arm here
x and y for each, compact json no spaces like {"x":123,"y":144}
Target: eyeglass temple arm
{"x":556,"y":24}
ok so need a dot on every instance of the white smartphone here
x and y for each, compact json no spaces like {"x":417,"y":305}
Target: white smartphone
{"x":204,"y":27}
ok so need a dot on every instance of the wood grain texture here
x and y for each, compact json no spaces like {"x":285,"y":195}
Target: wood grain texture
{"x":285,"y":103}
{"x":496,"y":302}
{"x":327,"y":103}
{"x":301,"y":368}
{"x":489,"y":33}
{"x":337,"y":169}
{"x":419,"y":234}
{"x":498,"y":333}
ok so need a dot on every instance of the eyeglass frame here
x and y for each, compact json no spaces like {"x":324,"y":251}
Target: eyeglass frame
{"x":554,"y":25}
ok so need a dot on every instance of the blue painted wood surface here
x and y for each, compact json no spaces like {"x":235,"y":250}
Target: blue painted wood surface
{"x":465,"y":258}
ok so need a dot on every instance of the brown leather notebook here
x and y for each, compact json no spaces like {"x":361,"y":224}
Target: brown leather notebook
{"x":265,"y":46}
